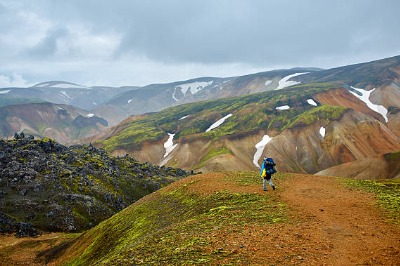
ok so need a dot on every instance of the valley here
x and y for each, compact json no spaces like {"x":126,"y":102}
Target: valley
{"x":168,"y":173}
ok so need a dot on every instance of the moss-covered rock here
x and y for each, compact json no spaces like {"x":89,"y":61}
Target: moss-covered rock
{"x":59,"y":188}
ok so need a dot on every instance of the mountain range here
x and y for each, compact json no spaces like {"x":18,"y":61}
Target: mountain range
{"x":307,"y":119}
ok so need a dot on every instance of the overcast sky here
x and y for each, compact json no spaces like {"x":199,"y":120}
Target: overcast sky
{"x":131,"y":42}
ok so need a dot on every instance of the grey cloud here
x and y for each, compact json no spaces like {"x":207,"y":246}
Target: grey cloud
{"x":260,"y":34}
{"x":47,"y":47}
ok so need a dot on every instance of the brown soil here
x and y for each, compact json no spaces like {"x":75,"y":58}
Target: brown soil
{"x":329,"y":225}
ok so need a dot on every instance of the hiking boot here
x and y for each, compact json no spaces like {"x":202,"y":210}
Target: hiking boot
{"x":273,"y":187}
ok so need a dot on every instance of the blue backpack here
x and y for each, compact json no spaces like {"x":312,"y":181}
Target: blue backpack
{"x":268,"y":167}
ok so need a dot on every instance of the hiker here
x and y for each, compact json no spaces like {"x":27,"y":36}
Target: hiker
{"x":267,"y":170}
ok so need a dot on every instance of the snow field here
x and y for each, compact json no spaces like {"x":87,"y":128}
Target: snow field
{"x":260,"y":149}
{"x":365,"y":98}
{"x":218,"y":123}
{"x":284,"y":82}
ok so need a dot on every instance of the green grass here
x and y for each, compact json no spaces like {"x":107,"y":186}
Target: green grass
{"x":387,"y":192}
{"x":325,"y":112}
{"x":175,"y":226}
{"x":251,"y":113}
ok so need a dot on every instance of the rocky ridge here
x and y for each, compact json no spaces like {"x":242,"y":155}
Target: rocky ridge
{"x":51,"y":187}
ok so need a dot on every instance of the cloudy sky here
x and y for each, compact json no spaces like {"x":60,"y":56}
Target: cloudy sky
{"x":132,"y":42}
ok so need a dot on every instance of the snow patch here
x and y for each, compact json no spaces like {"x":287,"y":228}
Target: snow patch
{"x":183,"y":117}
{"x":311,"y":102}
{"x":4,"y":92}
{"x":94,"y":103}
{"x":322,"y":132}
{"x":267,"y":82}
{"x":169,"y":145}
{"x":283,"y":107}
{"x":284,"y":82}
{"x":66,"y":95}
{"x":90,"y":115}
{"x":61,"y":85}
{"x":129,"y":101}
{"x":194,"y":87}
{"x":260,"y":149}
{"x":374,"y":107}
{"x":173,"y":96}
{"x":218,"y":123}
{"x":69,"y":86}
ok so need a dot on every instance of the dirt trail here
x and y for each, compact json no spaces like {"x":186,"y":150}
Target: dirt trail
{"x":342,"y":223}
{"x":329,"y":224}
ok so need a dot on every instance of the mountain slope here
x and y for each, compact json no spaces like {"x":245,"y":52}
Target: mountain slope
{"x":226,"y":218}
{"x":381,"y":166}
{"x":156,"y":97}
{"x":59,"y":188}
{"x":351,"y":131}
{"x":307,"y":127}
{"x":63,"y":123}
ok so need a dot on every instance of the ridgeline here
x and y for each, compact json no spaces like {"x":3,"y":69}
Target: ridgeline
{"x":47,"y":186}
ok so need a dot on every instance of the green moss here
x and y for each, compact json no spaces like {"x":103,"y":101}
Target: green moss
{"x":175,"y":227}
{"x":250,"y":113}
{"x":387,"y":192}
{"x":394,"y":156}
{"x":323,"y":112}
{"x":213,"y":152}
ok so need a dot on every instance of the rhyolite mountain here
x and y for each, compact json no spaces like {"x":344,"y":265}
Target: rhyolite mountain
{"x":63,"y":123}
{"x":68,"y":93}
{"x":156,"y":97}
{"x":51,"y":187}
{"x":326,"y":118}
{"x":114,"y":104}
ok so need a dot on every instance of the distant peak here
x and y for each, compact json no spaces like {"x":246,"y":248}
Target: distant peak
{"x":59,"y":84}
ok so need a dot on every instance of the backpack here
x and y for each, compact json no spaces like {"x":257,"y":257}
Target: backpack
{"x":268,"y":167}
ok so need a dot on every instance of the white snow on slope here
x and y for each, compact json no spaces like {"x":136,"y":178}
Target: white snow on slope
{"x":61,"y":85}
{"x":374,"y":107}
{"x":194,"y":87}
{"x":4,"y":92}
{"x":218,"y":123}
{"x":322,"y":131}
{"x":90,"y":115}
{"x":130,"y":100}
{"x":183,"y":117}
{"x":267,"y":82}
{"x":311,"y":102}
{"x":66,"y":95}
{"x":169,"y":145}
{"x":283,"y":107}
{"x":260,"y":149}
{"x":173,"y":95}
{"x":284,"y":82}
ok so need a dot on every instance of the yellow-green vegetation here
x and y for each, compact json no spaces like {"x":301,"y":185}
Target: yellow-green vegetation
{"x":213,"y":152}
{"x":387,"y":192}
{"x":72,"y":188}
{"x":250,"y":113}
{"x":175,"y":225}
{"x":323,"y":112}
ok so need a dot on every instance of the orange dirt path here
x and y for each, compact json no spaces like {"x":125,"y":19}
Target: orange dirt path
{"x":329,"y":224}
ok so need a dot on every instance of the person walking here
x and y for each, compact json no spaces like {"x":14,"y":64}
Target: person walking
{"x":267,"y":170}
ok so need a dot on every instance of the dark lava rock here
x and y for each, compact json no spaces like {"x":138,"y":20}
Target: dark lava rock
{"x":48,"y":186}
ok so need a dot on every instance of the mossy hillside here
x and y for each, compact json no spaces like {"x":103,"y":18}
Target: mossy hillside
{"x":12,"y":100}
{"x":175,"y":225}
{"x":214,"y":151}
{"x":249,"y":113}
{"x":325,"y":112}
{"x":59,"y":188}
{"x":387,"y":192}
